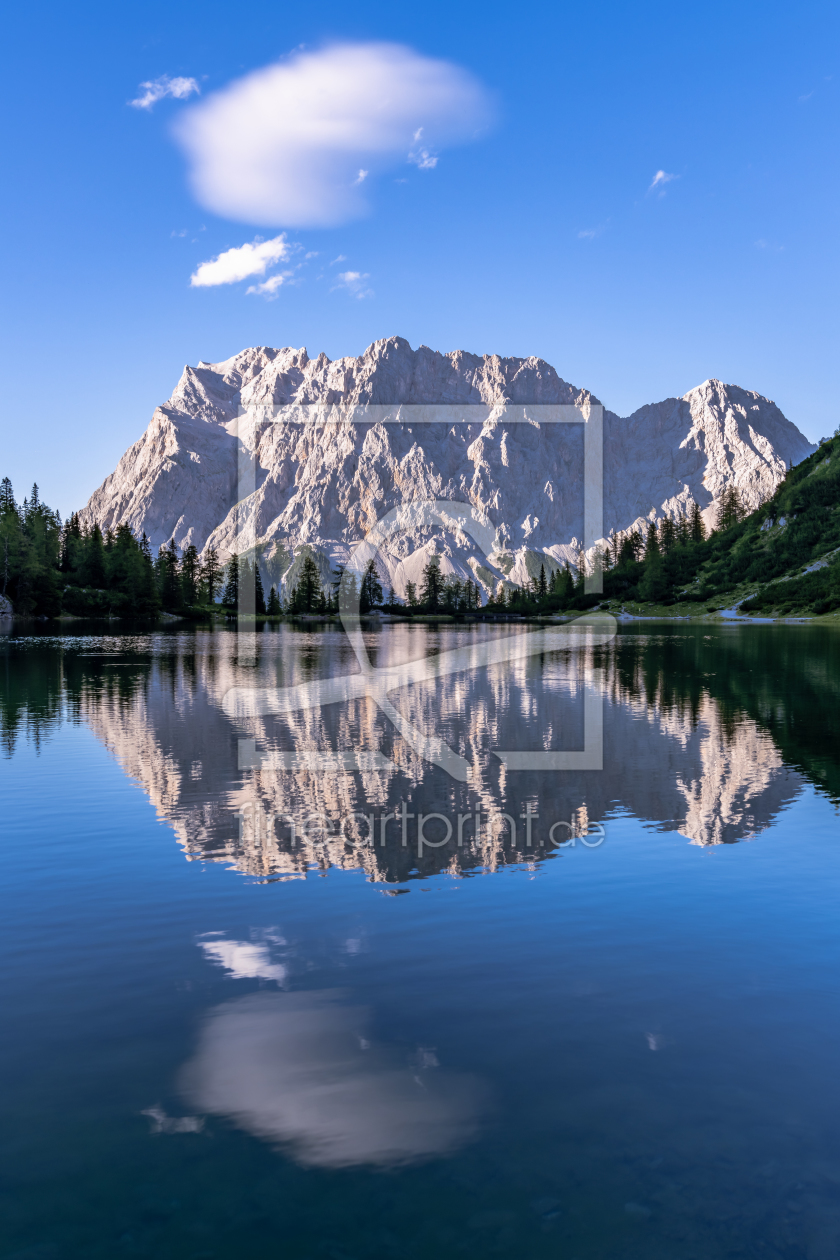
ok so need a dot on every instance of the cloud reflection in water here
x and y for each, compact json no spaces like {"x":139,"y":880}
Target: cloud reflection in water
{"x":297,"y":1069}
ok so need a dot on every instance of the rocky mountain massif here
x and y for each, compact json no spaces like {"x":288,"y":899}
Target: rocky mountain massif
{"x":266,"y":451}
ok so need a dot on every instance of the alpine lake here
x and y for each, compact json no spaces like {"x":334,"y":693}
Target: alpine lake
{"x":439,"y":940}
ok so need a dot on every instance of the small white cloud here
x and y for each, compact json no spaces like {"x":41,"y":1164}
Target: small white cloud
{"x":270,"y":286}
{"x":421,"y":156}
{"x":339,"y":258}
{"x":183,"y":232}
{"x":589,"y":234}
{"x":806,"y":97}
{"x":313,"y":253}
{"x":353,"y":282}
{"x":660,"y":179}
{"x":361,"y":177}
{"x":156,"y":89}
{"x":239,"y":263}
{"x":286,"y":144}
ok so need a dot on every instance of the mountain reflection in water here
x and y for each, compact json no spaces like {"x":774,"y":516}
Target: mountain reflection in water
{"x":707,"y":731}
{"x":625,"y":1052}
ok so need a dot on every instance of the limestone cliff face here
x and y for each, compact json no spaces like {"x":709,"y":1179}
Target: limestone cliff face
{"x":325,"y":483}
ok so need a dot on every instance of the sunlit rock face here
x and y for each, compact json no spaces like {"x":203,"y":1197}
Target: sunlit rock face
{"x":326,"y":483}
{"x":676,"y":763}
{"x":302,"y":1070}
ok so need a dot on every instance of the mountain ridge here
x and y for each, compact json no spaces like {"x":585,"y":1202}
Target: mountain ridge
{"x":326,"y":488}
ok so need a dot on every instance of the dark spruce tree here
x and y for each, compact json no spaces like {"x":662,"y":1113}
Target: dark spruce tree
{"x":275,"y":608}
{"x":169,"y":578}
{"x":431,"y":592}
{"x":370,"y":595}
{"x":696,"y":527}
{"x":308,"y":596}
{"x":259,"y":593}
{"x":190,"y":576}
{"x":230,"y":597}
{"x":93,"y":561}
{"x":211,"y":577}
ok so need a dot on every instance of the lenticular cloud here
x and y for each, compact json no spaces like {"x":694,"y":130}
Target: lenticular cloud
{"x":285,"y":145}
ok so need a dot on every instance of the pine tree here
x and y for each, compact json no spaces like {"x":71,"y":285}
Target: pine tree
{"x":652,"y":547}
{"x":629,"y":549}
{"x":696,"y":525}
{"x":565,"y":588}
{"x":169,"y":583}
{"x":93,"y":561}
{"x":307,"y":596}
{"x":71,"y":544}
{"x":432,"y":589}
{"x":190,"y":576}
{"x":259,"y":594}
{"x":211,"y":576}
{"x":148,"y":596}
{"x":230,"y":598}
{"x":542,"y":584}
{"x":667,"y":535}
{"x":653,"y":586}
{"x":370,"y":595}
{"x":275,"y":608}
{"x":730,"y":509}
{"x":411,"y":594}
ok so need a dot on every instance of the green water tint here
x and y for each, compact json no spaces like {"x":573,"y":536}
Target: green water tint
{"x":620,"y":1051}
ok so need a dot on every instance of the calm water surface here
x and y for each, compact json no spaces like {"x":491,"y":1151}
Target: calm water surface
{"x":236,"y":1024}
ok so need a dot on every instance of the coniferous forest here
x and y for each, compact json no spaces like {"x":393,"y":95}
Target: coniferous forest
{"x":784,"y":557}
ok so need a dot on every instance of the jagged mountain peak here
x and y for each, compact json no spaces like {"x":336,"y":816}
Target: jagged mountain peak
{"x":327,"y":488}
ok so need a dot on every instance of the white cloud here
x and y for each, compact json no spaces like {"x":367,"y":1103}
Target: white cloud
{"x":270,"y":286}
{"x":241,"y":262}
{"x":286,"y":144}
{"x":338,"y":258}
{"x":353,"y":282}
{"x":156,"y":89}
{"x":772,"y":246}
{"x":661,"y":178}
{"x":422,"y":157}
{"x":361,"y":177}
{"x":589,"y":234}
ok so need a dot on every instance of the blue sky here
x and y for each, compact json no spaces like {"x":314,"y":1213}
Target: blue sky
{"x":536,"y":231}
